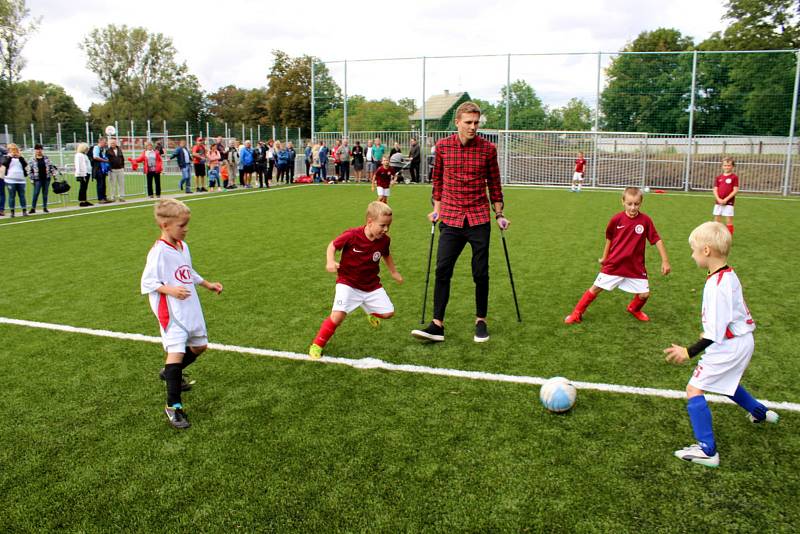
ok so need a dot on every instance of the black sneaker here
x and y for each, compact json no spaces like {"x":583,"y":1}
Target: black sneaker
{"x":32,"y":211}
{"x":481,"y":332}
{"x":432,"y":332}
{"x":186,"y":385}
{"x":177,"y":417}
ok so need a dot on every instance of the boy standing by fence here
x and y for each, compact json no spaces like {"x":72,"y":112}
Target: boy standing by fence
{"x":726,"y":185}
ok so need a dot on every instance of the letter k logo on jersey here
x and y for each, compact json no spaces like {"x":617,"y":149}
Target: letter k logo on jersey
{"x":184,"y":274}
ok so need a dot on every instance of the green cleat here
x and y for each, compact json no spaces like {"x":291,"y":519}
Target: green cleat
{"x":374,"y":322}
{"x":315,"y":351}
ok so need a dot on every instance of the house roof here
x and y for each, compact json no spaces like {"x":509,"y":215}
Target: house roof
{"x":437,"y":106}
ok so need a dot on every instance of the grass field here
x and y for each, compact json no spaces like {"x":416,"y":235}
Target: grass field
{"x":279,"y":445}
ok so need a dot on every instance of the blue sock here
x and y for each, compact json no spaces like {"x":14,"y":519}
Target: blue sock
{"x":700,"y":416}
{"x":743,"y":398}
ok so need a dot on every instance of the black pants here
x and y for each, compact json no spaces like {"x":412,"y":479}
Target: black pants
{"x":261,"y":171}
{"x":414,"y":169}
{"x":452,"y":241}
{"x":153,"y":177}
{"x":290,"y":172}
{"x":270,"y":166}
{"x":84,"y":185}
{"x":344,"y":171}
{"x":100,"y":180}
{"x":308,"y":167}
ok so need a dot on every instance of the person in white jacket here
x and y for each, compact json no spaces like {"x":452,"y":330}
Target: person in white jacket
{"x":83,"y":172}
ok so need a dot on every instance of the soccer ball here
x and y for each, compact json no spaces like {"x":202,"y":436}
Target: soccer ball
{"x":110,"y":130}
{"x":558,"y":395}
{"x":646,"y":189}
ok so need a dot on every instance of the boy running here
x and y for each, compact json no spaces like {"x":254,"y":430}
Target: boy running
{"x":383,"y":179}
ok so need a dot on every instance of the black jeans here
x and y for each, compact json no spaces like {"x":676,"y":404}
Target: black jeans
{"x":344,"y":171}
{"x":414,"y":169}
{"x":84,"y":185}
{"x":153,"y":177}
{"x":100,"y":178}
{"x":452,"y":241}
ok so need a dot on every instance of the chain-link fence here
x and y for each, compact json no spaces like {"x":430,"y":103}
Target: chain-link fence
{"x":660,"y":119}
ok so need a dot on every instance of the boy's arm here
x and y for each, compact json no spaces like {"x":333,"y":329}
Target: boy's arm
{"x":733,"y":194}
{"x":393,"y":269}
{"x":716,"y":196}
{"x":602,"y":260}
{"x":677,"y":354}
{"x":665,"y":267}
{"x":212,"y":286}
{"x":179,"y":292}
{"x":331,"y":265}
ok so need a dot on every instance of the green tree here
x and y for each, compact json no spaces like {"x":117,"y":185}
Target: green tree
{"x":367,"y":115}
{"x":16,"y":27}
{"x":526,"y":108}
{"x":46,"y":105}
{"x":649,"y":92}
{"x":574,"y":116}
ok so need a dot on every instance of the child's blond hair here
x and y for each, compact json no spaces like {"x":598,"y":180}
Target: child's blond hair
{"x":714,"y":235}
{"x":169,"y":208}
{"x":377,"y":209}
{"x":632,"y":191}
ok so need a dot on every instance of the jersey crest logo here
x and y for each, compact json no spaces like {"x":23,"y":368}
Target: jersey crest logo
{"x":184,"y":274}
{"x":639,"y":229}
{"x":728,"y":180}
{"x":376,"y":256}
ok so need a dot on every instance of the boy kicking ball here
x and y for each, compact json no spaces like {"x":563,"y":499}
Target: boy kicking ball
{"x":727,"y":340}
{"x":169,"y":280}
{"x":358,"y":283}
{"x":623,"y":258}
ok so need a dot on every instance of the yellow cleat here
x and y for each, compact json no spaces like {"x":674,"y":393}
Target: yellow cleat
{"x":315,"y":351}
{"x":374,"y":322}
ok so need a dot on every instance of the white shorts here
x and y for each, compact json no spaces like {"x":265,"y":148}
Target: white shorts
{"x":349,"y":298}
{"x":609,"y":282}
{"x":721,"y":367}
{"x":577,"y":177}
{"x":383,"y":192}
{"x":176,"y":338}
{"x":723,"y":209}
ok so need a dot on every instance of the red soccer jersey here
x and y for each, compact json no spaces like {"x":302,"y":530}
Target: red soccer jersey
{"x":580,"y":164}
{"x":383,"y":177}
{"x":725,"y":185}
{"x":360,"y":264}
{"x":627,"y":236}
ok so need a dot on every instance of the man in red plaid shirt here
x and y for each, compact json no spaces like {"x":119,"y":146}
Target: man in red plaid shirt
{"x":466,"y":165}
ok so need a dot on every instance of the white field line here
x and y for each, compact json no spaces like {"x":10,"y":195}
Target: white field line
{"x":148,"y":204}
{"x":374,"y":363}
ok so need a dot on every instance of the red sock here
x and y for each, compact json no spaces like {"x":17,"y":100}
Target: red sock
{"x":637,"y":304}
{"x":326,"y":330}
{"x":730,"y":228}
{"x":582,"y":304}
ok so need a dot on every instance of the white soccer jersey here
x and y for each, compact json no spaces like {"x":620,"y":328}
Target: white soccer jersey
{"x":725,"y":314}
{"x":168,"y":265}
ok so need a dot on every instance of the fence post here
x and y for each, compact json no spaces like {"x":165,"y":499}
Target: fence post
{"x":33,"y":136}
{"x":345,"y":98}
{"x":87,"y":131}
{"x":508,"y":119}
{"x":60,"y":148}
{"x":188,"y":139}
{"x":688,"y":170}
{"x":787,"y":178}
{"x":274,"y":133}
{"x":8,"y":140}
{"x":164,"y":133}
{"x":423,"y":135}
{"x":207,"y":131}
{"x":116,"y":135}
{"x":313,"y":96}
{"x":258,"y":131}
{"x":596,"y":119}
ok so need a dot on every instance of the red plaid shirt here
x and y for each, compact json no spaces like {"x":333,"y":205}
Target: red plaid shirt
{"x":460,"y":177}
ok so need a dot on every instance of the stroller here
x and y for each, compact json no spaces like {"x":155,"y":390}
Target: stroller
{"x":398,"y":164}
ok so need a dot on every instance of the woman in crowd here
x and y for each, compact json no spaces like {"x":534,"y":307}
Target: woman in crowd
{"x":309,"y":152}
{"x":292,"y":158}
{"x":83,"y":173}
{"x":233,"y":164}
{"x":41,"y":172}
{"x":248,"y":162}
{"x":283,"y":161}
{"x":213,"y":168}
{"x":358,"y":161}
{"x":153,"y":166}
{"x":14,"y":166}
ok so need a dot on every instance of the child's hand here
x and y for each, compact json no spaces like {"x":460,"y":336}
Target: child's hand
{"x":332,"y":267}
{"x":676,"y":354}
{"x":601,"y":261}
{"x":397,"y":277}
{"x":179,"y":292}
{"x":215,"y":287}
{"x":665,"y":268}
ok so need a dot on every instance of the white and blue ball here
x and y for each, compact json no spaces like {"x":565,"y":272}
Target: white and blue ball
{"x":558,"y":395}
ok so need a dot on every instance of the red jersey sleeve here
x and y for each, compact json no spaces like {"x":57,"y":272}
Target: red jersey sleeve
{"x":652,"y":234}
{"x":341,"y":242}
{"x":610,"y":228}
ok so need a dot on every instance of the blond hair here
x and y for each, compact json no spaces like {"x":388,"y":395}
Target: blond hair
{"x":12,"y":147}
{"x":170,"y":208}
{"x":377,"y":209}
{"x":713,"y":234}
{"x":632,"y":191}
{"x":467,"y":107}
{"x":83,"y":148}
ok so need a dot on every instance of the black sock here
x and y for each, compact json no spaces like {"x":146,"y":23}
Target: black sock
{"x":173,"y":376}
{"x":188,"y":358}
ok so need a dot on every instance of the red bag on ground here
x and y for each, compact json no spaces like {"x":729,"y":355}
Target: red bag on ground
{"x":305,"y":179}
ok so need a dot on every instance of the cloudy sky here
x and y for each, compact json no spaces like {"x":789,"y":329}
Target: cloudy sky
{"x":231,"y":43}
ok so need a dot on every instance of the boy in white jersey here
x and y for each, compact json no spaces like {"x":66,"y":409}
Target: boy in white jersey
{"x":169,"y":280}
{"x":727,"y":340}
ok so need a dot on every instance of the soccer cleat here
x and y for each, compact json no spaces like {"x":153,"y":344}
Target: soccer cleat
{"x":481,"y":332}
{"x":771,"y":417}
{"x":374,"y":322}
{"x":432,"y":332}
{"x":315,"y":351}
{"x":640,"y":315}
{"x":186,"y":385}
{"x":176,"y":416}
{"x":572,"y":318}
{"x":694,"y":453}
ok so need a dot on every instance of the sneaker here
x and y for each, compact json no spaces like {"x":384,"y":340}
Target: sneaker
{"x":24,"y":213}
{"x":46,"y":210}
{"x":374,"y":322}
{"x":640,"y":315}
{"x":176,"y":416}
{"x":481,"y":332}
{"x":315,"y":351}
{"x":572,"y":318}
{"x":186,"y":385}
{"x":432,"y":332}
{"x":694,"y":453}
{"x":32,"y":211}
{"x":771,"y":417}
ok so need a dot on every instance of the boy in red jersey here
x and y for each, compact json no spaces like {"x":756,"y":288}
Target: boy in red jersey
{"x":623,"y":258}
{"x":726,"y":185}
{"x":577,"y":175}
{"x":383,"y":178}
{"x":358,"y":283}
